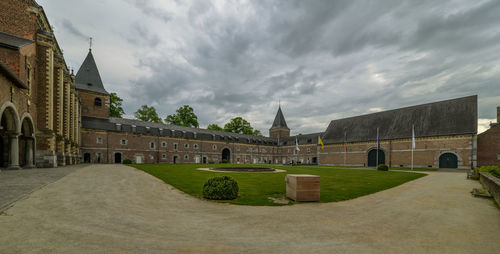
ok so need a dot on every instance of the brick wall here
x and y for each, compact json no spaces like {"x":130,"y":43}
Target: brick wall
{"x":279,"y":133}
{"x":88,"y":106}
{"x":107,"y":143}
{"x":17,"y":19}
{"x":488,"y":147}
{"x":398,"y":152}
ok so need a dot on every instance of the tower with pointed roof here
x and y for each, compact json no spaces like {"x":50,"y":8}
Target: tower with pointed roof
{"x":279,"y":128}
{"x":95,"y":99}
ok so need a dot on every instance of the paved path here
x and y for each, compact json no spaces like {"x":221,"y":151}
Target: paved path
{"x":117,"y":209}
{"x":17,"y":184}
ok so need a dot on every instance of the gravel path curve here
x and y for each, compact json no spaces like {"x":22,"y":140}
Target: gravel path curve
{"x":118,"y":209}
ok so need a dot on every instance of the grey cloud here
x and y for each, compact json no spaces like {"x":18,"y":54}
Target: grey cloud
{"x":141,"y":36}
{"x":149,"y":10}
{"x":68,"y":26}
{"x":323,"y":59}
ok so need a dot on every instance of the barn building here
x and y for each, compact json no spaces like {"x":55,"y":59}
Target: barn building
{"x":445,"y":137}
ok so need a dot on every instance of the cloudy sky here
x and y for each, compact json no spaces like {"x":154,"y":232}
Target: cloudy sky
{"x":323,"y":59}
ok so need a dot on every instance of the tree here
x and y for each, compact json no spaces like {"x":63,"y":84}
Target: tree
{"x":115,"y":106}
{"x":184,"y":116}
{"x":240,"y":125}
{"x":147,"y":114}
{"x":215,"y":127}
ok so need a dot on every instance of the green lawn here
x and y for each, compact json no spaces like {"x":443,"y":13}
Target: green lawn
{"x":255,"y":188}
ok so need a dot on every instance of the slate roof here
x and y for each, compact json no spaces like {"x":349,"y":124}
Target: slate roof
{"x":302,"y":139}
{"x":279,"y":120}
{"x":142,"y":127}
{"x":12,"y":41}
{"x":88,"y":78}
{"x":449,"y":117}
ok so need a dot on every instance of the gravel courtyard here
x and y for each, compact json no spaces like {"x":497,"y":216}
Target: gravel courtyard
{"x":118,"y":209}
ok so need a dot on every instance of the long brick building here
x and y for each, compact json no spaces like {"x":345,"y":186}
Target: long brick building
{"x":50,"y":117}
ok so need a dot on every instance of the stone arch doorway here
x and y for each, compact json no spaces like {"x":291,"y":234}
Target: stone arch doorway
{"x":448,"y":160}
{"x":226,"y":155}
{"x":27,"y":143}
{"x":372,"y":157}
{"x":86,"y":158}
{"x":118,"y":158}
{"x":9,"y":133}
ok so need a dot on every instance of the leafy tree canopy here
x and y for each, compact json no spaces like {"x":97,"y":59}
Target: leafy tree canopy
{"x":242,"y":126}
{"x":147,"y":114}
{"x":184,"y":116}
{"x":215,"y":127}
{"x":115,"y":106}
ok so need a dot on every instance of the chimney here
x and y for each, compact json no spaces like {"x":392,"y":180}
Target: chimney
{"x":498,"y":114}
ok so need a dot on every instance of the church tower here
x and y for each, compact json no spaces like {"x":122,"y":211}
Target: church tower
{"x":279,"y":128}
{"x":95,"y":99}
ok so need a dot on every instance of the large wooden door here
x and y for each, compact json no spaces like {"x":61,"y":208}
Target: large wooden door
{"x":372,"y":157}
{"x":448,"y":160}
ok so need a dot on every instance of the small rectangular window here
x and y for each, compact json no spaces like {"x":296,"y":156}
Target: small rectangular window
{"x":163,"y":144}
{"x":99,"y":140}
{"x":123,"y":141}
{"x":152,"y":145}
{"x":175,"y":146}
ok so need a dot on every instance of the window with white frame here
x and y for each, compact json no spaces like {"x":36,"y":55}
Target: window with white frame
{"x":214,"y":147}
{"x":164,"y":156}
{"x":175,"y":146}
{"x":186,"y":157}
{"x":151,"y":157}
{"x":99,"y":140}
{"x":186,"y":145}
{"x":163,"y":144}
{"x":123,"y":142}
{"x":308,"y":150}
{"x":152,"y":145}
{"x":195,"y":146}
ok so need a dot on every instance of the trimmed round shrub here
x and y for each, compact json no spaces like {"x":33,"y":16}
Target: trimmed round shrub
{"x":127,"y":161}
{"x":220,"y":188}
{"x":382,"y":167}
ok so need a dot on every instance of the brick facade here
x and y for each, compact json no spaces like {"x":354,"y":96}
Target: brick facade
{"x":89,"y":107}
{"x":41,"y":66}
{"x":397,"y":152}
{"x":488,"y":145}
{"x":102,"y":146}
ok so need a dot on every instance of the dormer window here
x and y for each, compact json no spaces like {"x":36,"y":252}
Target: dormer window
{"x":98,"y":102}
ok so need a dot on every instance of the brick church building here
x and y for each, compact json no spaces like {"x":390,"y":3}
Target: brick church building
{"x":39,"y":104}
{"x":51,"y":117}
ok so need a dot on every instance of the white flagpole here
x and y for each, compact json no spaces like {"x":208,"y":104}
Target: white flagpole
{"x":345,"y":148}
{"x":376,"y":163}
{"x":412,"y":144}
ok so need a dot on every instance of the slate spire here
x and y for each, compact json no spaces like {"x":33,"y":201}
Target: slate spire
{"x":88,"y":78}
{"x":279,"y":120}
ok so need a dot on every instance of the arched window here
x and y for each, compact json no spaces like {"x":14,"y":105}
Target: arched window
{"x":98,"y":102}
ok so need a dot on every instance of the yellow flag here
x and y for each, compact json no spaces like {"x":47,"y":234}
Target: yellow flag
{"x":320,"y":142}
